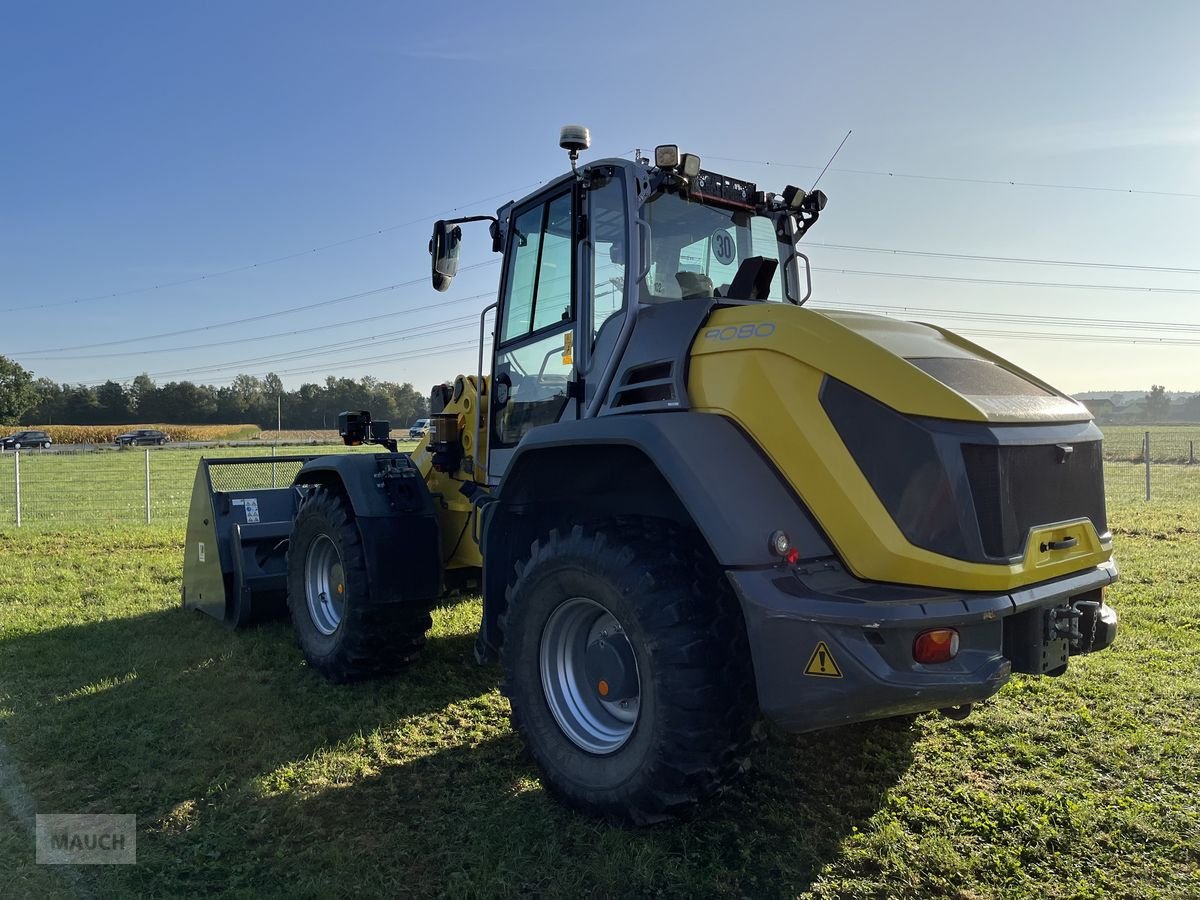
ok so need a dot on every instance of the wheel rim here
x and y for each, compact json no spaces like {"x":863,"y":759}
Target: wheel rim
{"x":581,"y":643}
{"x":325,"y":585}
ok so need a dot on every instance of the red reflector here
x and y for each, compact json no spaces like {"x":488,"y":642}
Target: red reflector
{"x":793,"y":556}
{"x":935,"y":646}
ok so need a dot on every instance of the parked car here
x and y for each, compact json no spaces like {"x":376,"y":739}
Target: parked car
{"x":419,"y":429}
{"x":22,"y":439}
{"x":142,"y":436}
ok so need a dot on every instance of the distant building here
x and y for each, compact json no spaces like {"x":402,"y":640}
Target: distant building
{"x":1102,"y":410}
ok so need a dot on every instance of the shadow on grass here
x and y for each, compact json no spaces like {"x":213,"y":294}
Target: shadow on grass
{"x":473,"y":819}
{"x":157,"y":708}
{"x":217,"y":740}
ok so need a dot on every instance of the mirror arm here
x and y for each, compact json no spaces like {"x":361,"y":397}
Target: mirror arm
{"x":461,"y":220}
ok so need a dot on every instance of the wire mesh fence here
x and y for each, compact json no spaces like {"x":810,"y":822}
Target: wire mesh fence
{"x":95,"y":487}
{"x":102,"y":487}
{"x":1151,"y":463}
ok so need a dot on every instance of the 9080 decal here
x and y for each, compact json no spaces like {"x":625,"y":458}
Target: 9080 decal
{"x":740,"y":332}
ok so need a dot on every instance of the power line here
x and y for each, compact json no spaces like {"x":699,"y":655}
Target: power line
{"x":320,"y":350}
{"x":417,"y":354}
{"x":295,"y":255}
{"x":1012,"y":283}
{"x":1082,"y":338}
{"x":268,"y":262}
{"x":345,"y":323}
{"x":259,"y":318}
{"x":1004,"y":182}
{"x":976,"y":257}
{"x":1055,"y":321}
{"x":1048,"y":321}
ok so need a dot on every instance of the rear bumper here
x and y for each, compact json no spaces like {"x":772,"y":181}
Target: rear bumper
{"x":867,"y":631}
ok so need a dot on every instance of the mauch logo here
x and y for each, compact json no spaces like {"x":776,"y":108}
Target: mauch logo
{"x":82,"y":840}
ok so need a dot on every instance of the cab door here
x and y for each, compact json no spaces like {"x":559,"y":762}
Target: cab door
{"x":604,"y":281}
{"x":533,"y":375}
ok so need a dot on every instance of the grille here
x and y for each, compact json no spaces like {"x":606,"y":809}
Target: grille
{"x":254,"y":474}
{"x":1016,"y":488}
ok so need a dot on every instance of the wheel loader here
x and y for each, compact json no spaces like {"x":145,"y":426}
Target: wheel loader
{"x":687,"y":499}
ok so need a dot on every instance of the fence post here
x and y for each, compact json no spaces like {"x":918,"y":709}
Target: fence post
{"x":147,"y":485}
{"x":17,"y":476}
{"x":273,"y":484}
{"x":1146,"y":454}
{"x":1191,"y":453}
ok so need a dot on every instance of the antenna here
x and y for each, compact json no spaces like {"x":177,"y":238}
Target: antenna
{"x":831,"y":159}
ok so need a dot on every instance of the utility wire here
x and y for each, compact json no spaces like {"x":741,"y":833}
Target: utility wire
{"x":320,"y":350}
{"x":957,"y":180}
{"x":1083,"y":338}
{"x":1012,"y":283}
{"x":419,"y":353}
{"x":259,"y":318}
{"x":268,"y":262}
{"x":345,"y":323}
{"x":977,"y":257}
{"x":1009,"y":318}
{"x":297,"y":254}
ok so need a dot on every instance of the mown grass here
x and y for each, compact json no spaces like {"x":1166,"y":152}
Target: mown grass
{"x":250,"y":774}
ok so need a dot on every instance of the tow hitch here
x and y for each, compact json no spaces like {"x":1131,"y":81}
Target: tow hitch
{"x":1040,"y":641}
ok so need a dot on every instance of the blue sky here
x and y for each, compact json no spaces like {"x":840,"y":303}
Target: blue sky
{"x":144,"y":144}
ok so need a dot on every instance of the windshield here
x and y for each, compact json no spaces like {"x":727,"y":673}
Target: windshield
{"x":698,"y":250}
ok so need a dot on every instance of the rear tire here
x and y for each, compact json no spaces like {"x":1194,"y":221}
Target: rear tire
{"x":686,"y":656}
{"x":346,"y":633}
{"x":46,"y":446}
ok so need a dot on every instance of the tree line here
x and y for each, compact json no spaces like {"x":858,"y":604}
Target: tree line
{"x":25,"y":400}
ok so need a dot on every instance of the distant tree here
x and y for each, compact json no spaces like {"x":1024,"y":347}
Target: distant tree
{"x":181,"y":402}
{"x":114,"y":403}
{"x":81,"y":406}
{"x":49,"y":406}
{"x":1191,"y":409}
{"x":17,"y":393}
{"x":141,"y":391}
{"x":1158,"y":404}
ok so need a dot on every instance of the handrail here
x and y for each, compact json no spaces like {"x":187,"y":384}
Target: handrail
{"x":480,"y":392}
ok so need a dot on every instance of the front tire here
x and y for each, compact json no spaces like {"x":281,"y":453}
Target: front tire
{"x":346,"y":632}
{"x":627,"y":666}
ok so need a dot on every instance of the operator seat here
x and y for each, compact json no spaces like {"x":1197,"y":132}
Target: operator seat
{"x":753,"y":279}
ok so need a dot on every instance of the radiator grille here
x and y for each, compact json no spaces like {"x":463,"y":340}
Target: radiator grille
{"x":1016,"y":488}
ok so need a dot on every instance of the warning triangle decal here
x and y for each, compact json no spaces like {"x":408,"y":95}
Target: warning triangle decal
{"x":821,"y":663}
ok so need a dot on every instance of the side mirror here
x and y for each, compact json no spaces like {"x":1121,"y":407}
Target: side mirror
{"x":443,"y":248}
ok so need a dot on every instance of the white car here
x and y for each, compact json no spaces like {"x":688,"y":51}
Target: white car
{"x":419,"y":429}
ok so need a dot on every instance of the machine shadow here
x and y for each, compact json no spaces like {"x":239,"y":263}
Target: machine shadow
{"x":145,"y":712}
{"x":474,"y":819}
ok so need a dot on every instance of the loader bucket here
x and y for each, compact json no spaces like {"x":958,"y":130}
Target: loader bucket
{"x":235,"y":555}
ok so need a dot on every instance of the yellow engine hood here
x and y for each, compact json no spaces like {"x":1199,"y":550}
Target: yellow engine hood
{"x":884,"y":357}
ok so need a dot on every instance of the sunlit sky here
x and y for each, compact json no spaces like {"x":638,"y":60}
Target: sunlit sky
{"x":147,"y":149}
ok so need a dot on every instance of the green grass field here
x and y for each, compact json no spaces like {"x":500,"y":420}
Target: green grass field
{"x":1168,"y":443}
{"x":250,"y":774}
{"x":108,"y":486}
